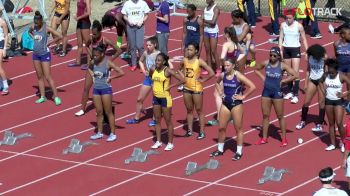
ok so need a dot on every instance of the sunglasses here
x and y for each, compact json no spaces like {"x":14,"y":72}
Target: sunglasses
{"x":274,"y":55}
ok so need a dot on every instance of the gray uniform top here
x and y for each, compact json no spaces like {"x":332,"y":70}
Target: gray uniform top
{"x":150,"y":59}
{"x":316,"y":68}
{"x":101,"y":74}
{"x":40,"y":41}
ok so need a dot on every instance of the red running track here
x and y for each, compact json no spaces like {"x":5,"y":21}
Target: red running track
{"x":101,"y":169}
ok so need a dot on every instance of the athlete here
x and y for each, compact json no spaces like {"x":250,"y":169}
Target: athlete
{"x":272,"y":93}
{"x":193,"y":88}
{"x":61,"y":18}
{"x":316,"y":54}
{"x":289,"y":43}
{"x":232,"y":82}
{"x":96,"y":40}
{"x":42,"y":56}
{"x":101,"y":68}
{"x":162,"y":101}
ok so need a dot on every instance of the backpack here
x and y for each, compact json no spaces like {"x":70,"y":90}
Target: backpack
{"x":27,"y":40}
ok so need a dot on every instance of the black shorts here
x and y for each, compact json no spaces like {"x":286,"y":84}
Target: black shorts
{"x":291,"y":53}
{"x":338,"y":102}
{"x":67,"y":17}
{"x":230,"y":105}
{"x":2,"y":44}
{"x":192,"y":92}
{"x":315,"y":82}
{"x":273,"y":94}
{"x":83,"y":24}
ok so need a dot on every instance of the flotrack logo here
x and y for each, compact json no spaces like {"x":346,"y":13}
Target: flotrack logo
{"x":333,"y":12}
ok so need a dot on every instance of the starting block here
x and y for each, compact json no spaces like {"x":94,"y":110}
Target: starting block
{"x":76,"y":147}
{"x":192,"y":167}
{"x":138,"y":156}
{"x":271,"y":174}
{"x":11,"y":139}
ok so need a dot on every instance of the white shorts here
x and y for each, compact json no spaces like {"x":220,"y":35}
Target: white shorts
{"x":347,"y":170}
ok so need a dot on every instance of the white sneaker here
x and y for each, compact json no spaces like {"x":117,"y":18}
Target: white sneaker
{"x":330,"y":147}
{"x":80,"y":113}
{"x":111,"y":137}
{"x":300,"y":125}
{"x":294,"y":100}
{"x":288,"y":96}
{"x":169,"y":147}
{"x":98,"y":135}
{"x":317,"y":128}
{"x":331,"y":28}
{"x":157,"y":145}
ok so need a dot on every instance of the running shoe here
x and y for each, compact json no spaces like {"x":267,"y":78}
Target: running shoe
{"x":294,"y":100}
{"x":262,"y":141}
{"x":132,"y":121}
{"x":201,"y":135}
{"x":330,"y":147}
{"x":317,"y":128}
{"x":189,"y":133}
{"x":169,"y":147}
{"x":5,"y":91}
{"x":213,"y":122}
{"x":80,"y":113}
{"x":288,"y":96}
{"x":98,"y":135}
{"x":156,"y":145}
{"x":284,"y":143}
{"x":58,"y":101}
{"x":301,"y":125}
{"x":236,"y":156}
{"x":133,"y":68}
{"x":216,"y":153}
{"x":41,"y":100}
{"x":112,"y":137}
{"x":152,"y":123}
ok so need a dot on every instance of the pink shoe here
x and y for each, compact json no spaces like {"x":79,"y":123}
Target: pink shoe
{"x":284,"y":143}
{"x":262,"y":141}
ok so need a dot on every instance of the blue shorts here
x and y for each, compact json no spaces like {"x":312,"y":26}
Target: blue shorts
{"x":211,"y":35}
{"x":42,"y":58}
{"x":273,"y":94}
{"x":104,"y":91}
{"x":147,"y":81}
{"x":165,"y":102}
{"x":344,"y":68}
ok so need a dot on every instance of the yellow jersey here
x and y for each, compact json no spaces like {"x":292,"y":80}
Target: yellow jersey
{"x":160,"y":84}
{"x":60,"y":6}
{"x":192,"y":73}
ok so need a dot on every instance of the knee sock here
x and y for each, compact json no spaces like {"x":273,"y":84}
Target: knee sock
{"x":304,"y":112}
{"x":321,"y":116}
{"x":296,"y":87}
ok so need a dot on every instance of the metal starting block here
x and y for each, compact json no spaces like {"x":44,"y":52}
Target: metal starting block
{"x":192,"y":167}
{"x":271,"y":174}
{"x":11,"y":139}
{"x":138,"y":156}
{"x":76,"y":147}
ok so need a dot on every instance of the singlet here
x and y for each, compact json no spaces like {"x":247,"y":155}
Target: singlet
{"x":234,"y":54}
{"x":333,"y":87}
{"x":160,"y":84}
{"x":291,"y":35}
{"x":231,"y":87}
{"x":192,"y":72}
{"x":2,"y":36}
{"x":81,"y":9}
{"x":342,"y":52}
{"x":239,"y":30}
{"x":316,"y":68}
{"x":209,"y":15}
{"x":150,"y":60}
{"x":60,"y":6}
{"x":40,"y":41}
{"x":273,"y":77}
{"x":101,"y":74}
{"x":193,"y":30}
